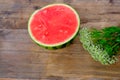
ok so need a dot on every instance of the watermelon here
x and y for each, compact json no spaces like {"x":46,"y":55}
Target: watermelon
{"x":54,"y":26}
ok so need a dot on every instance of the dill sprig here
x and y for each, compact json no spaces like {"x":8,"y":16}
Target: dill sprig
{"x":103,"y":45}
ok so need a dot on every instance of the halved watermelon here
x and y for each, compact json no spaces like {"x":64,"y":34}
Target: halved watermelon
{"x":54,"y":26}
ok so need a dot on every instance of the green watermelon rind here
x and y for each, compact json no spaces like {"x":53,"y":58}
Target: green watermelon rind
{"x":61,"y":44}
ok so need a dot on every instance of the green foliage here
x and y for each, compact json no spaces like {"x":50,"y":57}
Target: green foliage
{"x":109,"y":39}
{"x":103,"y":45}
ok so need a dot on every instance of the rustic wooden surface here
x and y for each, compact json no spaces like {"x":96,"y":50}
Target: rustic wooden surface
{"x":22,"y":59}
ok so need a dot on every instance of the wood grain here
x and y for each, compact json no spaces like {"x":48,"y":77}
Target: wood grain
{"x":22,"y":59}
{"x":15,"y":14}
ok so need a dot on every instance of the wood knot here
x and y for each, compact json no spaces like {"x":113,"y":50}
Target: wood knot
{"x":111,"y":1}
{"x":36,"y":7}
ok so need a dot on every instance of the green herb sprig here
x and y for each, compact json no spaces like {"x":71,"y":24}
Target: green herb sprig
{"x":103,"y":45}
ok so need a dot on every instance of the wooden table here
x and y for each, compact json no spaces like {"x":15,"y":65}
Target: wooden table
{"x":22,"y":59}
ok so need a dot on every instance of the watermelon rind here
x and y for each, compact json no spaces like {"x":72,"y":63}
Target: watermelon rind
{"x":57,"y":45}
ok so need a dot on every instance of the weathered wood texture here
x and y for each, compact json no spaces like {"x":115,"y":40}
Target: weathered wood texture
{"x":15,"y":13}
{"x":22,"y":59}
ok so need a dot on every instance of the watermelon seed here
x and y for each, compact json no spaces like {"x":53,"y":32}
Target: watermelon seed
{"x":43,"y":37}
{"x":46,"y":33}
{"x":66,"y":32}
{"x":40,"y":25}
{"x":59,"y":9}
{"x":60,"y":30}
{"x":35,"y":28}
{"x":45,"y":11}
{"x":44,"y":28}
{"x":42,"y":21}
{"x":38,"y":28}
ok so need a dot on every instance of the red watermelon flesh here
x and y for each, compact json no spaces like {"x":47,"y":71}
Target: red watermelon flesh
{"x":54,"y":24}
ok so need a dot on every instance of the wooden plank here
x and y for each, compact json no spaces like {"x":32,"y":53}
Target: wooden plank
{"x":20,"y":58}
{"x":15,"y":14}
{"x":13,"y":79}
{"x":16,"y":64}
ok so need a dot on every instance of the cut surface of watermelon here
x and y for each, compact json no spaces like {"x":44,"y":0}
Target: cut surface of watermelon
{"x":53,"y":25}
